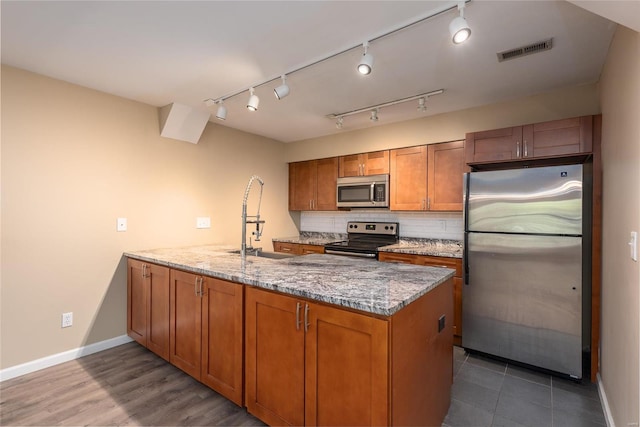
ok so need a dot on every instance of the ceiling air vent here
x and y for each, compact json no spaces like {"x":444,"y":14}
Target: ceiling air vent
{"x":525,"y":50}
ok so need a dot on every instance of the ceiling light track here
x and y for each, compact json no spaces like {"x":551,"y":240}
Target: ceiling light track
{"x":437,"y":12}
{"x":388,"y":104}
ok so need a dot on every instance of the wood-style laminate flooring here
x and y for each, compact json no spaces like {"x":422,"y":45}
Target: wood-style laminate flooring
{"x":124,"y":385}
{"x":129,"y":385}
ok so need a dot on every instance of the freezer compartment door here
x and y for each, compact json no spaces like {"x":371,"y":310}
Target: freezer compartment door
{"x":523,"y":299}
{"x":544,"y":200}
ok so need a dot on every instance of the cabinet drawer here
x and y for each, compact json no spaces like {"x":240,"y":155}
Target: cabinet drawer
{"x":430,"y":261}
{"x":286,"y":247}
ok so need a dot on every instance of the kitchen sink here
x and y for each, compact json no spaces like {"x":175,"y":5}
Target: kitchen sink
{"x":263,"y":254}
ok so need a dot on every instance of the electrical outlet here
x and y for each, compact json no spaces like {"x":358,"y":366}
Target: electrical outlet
{"x":203,"y":222}
{"x":67,"y":319}
{"x":121,"y":224}
{"x":633,"y":246}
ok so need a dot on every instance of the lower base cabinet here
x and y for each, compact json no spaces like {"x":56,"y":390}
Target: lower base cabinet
{"x":308,"y":363}
{"x":206,"y":331}
{"x":304,"y":362}
{"x":148,"y":306}
{"x":432,"y":261}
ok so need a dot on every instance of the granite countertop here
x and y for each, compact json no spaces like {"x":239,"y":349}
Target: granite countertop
{"x":406,"y":245}
{"x":313,"y":238}
{"x":362,"y":284}
{"x":431,"y":247}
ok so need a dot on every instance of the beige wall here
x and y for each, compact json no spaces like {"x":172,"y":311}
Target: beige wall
{"x":73,"y":160}
{"x":620,"y":87}
{"x":562,"y":103}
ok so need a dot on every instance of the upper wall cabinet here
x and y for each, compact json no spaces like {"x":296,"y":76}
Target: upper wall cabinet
{"x":312,"y":185}
{"x":427,"y":177}
{"x":374,"y":163}
{"x":547,"y":140}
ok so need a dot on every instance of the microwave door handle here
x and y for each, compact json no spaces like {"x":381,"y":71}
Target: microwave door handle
{"x":371,"y":199}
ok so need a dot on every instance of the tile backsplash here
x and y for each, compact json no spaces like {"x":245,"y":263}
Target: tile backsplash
{"x":433,"y":225}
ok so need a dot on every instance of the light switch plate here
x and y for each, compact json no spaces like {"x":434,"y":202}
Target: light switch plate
{"x":203,"y":222}
{"x":633,"y":245}
{"x":121,"y":224}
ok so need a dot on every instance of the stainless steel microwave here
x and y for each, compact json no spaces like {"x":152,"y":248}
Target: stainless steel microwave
{"x":363,"y":192}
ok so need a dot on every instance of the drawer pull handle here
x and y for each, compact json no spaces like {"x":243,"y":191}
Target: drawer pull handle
{"x":298,"y":316}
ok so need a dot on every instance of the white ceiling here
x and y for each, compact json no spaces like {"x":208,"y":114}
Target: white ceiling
{"x":158,"y":52}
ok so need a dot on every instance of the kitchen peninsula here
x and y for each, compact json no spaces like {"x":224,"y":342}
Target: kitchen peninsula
{"x":321,"y":339}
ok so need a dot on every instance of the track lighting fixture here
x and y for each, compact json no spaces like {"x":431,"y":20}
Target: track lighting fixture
{"x":252,"y":104}
{"x":375,"y":109}
{"x":421,"y":107}
{"x":460,"y":32}
{"x":366,"y":62}
{"x":221,"y":114}
{"x":282,"y":90}
{"x":458,"y":27}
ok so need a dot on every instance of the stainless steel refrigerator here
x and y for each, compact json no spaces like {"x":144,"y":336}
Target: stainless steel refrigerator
{"x":526,"y":263}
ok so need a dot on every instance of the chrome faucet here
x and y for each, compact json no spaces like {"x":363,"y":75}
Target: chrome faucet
{"x":257,"y":221}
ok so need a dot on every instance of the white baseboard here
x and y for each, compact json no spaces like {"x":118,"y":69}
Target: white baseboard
{"x":605,"y":404}
{"x":56,"y":359}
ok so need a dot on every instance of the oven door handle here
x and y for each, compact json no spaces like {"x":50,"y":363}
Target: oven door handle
{"x":346,"y":253}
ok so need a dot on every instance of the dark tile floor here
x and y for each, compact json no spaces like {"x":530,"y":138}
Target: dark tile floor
{"x":491,"y":393}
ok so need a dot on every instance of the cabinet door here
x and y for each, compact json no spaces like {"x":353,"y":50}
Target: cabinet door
{"x":350,"y":165}
{"x":222,"y":337}
{"x":302,"y":185}
{"x":327,"y":177}
{"x":186,"y":322}
{"x":445,"y":166}
{"x":408,"y":167}
{"x":373,"y":163}
{"x":346,"y":379}
{"x":376,"y":163}
{"x":558,"y":138}
{"x":137,"y":301}
{"x":274,"y":358}
{"x":158,"y":313}
{"x":494,"y":145}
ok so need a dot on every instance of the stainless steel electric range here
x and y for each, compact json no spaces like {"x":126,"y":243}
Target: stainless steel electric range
{"x":364,"y":239}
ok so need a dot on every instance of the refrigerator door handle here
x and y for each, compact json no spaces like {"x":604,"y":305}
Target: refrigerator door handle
{"x":465,"y":221}
{"x":465,"y":261}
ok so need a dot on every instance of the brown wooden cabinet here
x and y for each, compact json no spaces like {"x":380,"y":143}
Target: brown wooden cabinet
{"x":373,"y":163}
{"x":312,"y":364}
{"x":312,"y":185}
{"x":349,"y":368}
{"x":148,"y":306}
{"x":427,"y":178}
{"x":297,"y":248}
{"x":206,"y":331}
{"x":547,"y":140}
{"x":432,"y":261}
{"x":222,"y":338}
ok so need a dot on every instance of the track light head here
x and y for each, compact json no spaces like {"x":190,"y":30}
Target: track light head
{"x":282,"y":90}
{"x":374,"y":115}
{"x":459,"y":29}
{"x":221,"y":114}
{"x":252,"y":104}
{"x":421,"y":105}
{"x":366,"y":62}
{"x":339,"y":122}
